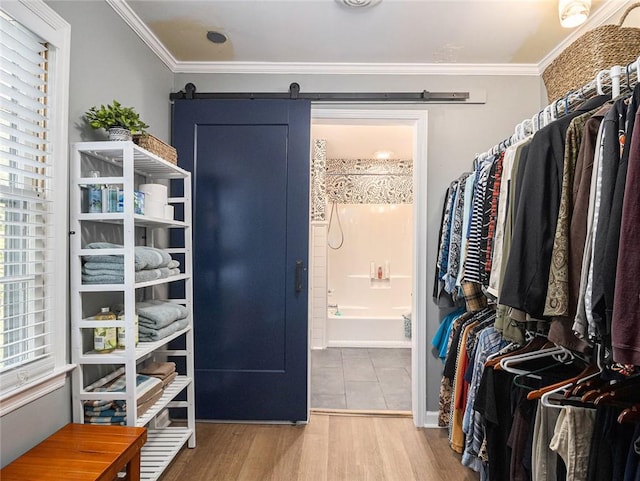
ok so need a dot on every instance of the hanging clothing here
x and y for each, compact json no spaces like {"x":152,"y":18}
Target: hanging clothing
{"x":544,"y":459}
{"x":583,"y":323}
{"x":448,"y":373}
{"x":626,"y":308}
{"x":440,"y":340}
{"x":502,"y":239}
{"x":440,"y":297}
{"x":572,"y":438}
{"x":618,"y":125}
{"x":472,"y":264}
{"x":455,"y":241}
{"x":580,"y":208}
{"x":557,"y":300}
{"x":456,"y":436}
{"x":489,"y":213}
{"x":534,"y":228}
{"x":466,"y":223}
{"x":489,"y":342}
{"x":527,"y":273}
{"x":493,"y":402}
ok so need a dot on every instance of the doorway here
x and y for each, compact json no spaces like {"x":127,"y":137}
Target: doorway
{"x":367,"y":268}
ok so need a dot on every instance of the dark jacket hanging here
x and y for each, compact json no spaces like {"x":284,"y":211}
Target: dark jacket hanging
{"x":527,"y":272}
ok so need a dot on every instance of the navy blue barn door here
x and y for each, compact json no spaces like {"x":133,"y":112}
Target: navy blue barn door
{"x":250,"y":165}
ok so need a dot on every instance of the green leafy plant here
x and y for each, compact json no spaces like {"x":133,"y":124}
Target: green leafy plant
{"x":115,"y":115}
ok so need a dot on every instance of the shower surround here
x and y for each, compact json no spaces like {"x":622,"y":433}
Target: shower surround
{"x":373,"y":200}
{"x":370,"y":302}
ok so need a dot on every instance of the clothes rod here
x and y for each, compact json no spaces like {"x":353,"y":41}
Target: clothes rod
{"x":189,"y":93}
{"x":619,"y":75}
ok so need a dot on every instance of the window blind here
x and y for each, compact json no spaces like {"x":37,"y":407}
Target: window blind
{"x":26,"y":208}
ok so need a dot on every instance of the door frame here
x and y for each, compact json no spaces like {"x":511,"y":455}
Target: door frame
{"x":374,"y":115}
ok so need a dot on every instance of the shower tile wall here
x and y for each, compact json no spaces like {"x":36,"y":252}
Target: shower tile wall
{"x":369,"y":181}
{"x":318,"y":180}
{"x":318,"y":280}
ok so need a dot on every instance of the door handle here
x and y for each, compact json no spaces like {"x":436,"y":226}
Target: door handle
{"x":300,"y":268}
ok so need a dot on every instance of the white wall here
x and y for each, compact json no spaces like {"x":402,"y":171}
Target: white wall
{"x":456,"y":133}
{"x":108,"y":61}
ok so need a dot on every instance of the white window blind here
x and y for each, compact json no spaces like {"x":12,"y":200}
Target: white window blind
{"x":26,"y":209}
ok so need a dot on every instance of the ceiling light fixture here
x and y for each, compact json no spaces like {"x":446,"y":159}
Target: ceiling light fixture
{"x":216,"y":37}
{"x":573,"y":12}
{"x":382,"y":154}
{"x":359,"y":3}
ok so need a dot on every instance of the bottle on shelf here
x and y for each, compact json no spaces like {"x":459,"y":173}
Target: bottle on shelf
{"x":104,"y":338}
{"x":121,"y":331}
{"x":111,"y":204}
{"x":95,"y":194}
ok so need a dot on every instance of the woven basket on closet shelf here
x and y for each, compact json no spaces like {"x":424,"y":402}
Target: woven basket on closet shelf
{"x":157,"y":146}
{"x":596,"y":50}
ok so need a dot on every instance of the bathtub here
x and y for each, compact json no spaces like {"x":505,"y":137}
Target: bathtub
{"x":357,"y":326}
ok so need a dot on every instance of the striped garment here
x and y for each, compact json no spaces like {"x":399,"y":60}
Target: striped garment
{"x":473,"y":260}
{"x":493,"y":216}
{"x":455,"y":242}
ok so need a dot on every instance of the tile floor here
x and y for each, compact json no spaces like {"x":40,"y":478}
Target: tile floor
{"x":361,"y":379}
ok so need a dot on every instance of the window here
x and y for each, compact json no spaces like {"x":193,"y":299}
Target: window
{"x":33,"y":203}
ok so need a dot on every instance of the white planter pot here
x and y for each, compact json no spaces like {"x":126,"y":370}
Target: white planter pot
{"x":119,"y":133}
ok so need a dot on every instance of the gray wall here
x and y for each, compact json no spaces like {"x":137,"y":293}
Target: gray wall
{"x":108,"y":61}
{"x":455,"y":134}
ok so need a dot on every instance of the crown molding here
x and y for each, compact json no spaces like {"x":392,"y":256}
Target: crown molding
{"x":132,"y":19}
{"x":319,"y":68}
{"x":122,"y":8}
{"x":600,"y":17}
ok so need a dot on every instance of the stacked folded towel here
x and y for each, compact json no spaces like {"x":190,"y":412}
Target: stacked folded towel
{"x":165,"y":371}
{"x":159,"y":319}
{"x":148,"y":391}
{"x":150,"y":264}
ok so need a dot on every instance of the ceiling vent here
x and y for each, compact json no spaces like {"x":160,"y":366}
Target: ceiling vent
{"x":359,"y":3}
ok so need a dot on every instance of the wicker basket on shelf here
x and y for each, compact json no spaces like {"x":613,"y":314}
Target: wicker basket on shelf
{"x":596,"y":50}
{"x":157,"y":146}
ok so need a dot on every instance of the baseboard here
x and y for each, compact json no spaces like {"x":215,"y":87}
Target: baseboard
{"x":431,"y":419}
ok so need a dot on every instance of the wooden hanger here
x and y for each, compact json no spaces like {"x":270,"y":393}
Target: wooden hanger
{"x":620,"y":394}
{"x":632,"y":382}
{"x":588,"y":372}
{"x":630,"y":415}
{"x":588,"y":385}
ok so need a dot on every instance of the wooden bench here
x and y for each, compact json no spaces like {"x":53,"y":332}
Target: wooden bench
{"x":81,"y":452}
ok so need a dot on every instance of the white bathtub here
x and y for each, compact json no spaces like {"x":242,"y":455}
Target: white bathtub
{"x":358,"y":327}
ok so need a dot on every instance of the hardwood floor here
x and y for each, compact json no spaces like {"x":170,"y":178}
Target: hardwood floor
{"x":329,"y":448}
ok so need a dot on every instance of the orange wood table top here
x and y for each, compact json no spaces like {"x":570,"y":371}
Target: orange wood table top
{"x":81,"y":452}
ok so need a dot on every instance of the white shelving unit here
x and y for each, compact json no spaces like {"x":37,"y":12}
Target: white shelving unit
{"x":127,"y":165}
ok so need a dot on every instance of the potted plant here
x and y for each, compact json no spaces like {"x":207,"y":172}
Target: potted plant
{"x":121,"y":122}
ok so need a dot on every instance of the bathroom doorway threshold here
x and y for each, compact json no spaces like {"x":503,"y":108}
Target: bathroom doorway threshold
{"x":363,"y":412}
